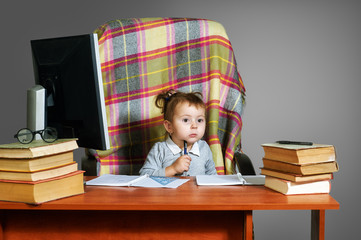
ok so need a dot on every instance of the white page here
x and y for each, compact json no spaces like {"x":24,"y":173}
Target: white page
{"x":218,"y":180}
{"x":136,"y":181}
{"x":254,"y":179}
{"x":236,"y":179}
{"x":151,"y":183}
{"x":114,"y":180}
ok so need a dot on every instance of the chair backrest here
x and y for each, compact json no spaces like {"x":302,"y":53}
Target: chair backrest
{"x":141,"y":57}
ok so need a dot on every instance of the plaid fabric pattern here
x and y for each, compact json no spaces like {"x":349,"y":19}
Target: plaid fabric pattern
{"x":141,"y":57}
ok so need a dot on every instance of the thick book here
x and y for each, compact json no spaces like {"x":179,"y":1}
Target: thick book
{"x":42,"y":191}
{"x":224,"y":180}
{"x":299,"y":154}
{"x":39,"y":175}
{"x":37,"y":148}
{"x":302,"y":169}
{"x":36,"y":163}
{"x":292,"y":188}
{"x":294,"y":177}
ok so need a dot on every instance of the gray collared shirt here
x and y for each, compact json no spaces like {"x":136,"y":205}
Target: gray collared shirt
{"x":164,"y":154}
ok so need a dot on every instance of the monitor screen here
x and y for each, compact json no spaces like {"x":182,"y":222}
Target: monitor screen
{"x":69,"y":70}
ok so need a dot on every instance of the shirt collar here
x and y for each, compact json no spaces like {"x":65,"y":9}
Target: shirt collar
{"x":175,"y":149}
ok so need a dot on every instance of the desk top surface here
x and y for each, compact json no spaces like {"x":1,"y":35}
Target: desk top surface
{"x":188,"y":196}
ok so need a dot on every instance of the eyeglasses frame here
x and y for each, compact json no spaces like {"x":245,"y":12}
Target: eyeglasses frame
{"x":40,"y":132}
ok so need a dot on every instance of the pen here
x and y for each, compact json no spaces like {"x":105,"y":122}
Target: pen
{"x":239,"y":175}
{"x":185,"y":148}
{"x":295,"y":143}
{"x":185,"y":153}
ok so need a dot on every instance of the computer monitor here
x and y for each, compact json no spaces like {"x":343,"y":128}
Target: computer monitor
{"x":69,"y":70}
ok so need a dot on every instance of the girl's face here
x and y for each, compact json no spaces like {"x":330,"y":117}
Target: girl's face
{"x":188,"y":124}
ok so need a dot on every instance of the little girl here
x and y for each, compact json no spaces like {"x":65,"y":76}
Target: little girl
{"x":183,"y":153}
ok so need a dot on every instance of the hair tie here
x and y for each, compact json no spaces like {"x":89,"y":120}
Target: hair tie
{"x":170,"y":94}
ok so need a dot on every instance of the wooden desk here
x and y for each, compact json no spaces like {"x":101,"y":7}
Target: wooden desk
{"x":188,"y":212}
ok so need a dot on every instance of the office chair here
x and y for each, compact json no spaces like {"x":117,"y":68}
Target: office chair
{"x":141,"y":57}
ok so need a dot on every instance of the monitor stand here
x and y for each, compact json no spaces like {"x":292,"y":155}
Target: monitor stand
{"x":36,"y":109}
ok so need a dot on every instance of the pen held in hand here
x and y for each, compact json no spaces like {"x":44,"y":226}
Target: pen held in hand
{"x":185,"y":148}
{"x":185,"y":153}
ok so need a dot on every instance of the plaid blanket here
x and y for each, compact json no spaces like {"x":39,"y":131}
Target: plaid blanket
{"x":141,"y":57}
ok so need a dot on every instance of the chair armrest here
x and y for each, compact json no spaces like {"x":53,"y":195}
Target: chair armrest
{"x":89,"y":164}
{"x":244,"y":164}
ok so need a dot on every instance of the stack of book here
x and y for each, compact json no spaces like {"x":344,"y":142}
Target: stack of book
{"x":299,"y":169}
{"x":39,"y":172}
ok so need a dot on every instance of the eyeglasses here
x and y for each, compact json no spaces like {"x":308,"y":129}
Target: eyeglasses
{"x":25,"y":135}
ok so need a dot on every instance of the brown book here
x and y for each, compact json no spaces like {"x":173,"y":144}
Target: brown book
{"x":37,"y":148}
{"x":292,"y":188}
{"x":301,"y":169}
{"x":296,"y":178}
{"x":37,"y":163}
{"x":299,"y":154}
{"x":42,"y":191}
{"x":39,"y":175}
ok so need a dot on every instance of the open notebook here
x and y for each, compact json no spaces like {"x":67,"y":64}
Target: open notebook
{"x":236,"y":179}
{"x":136,"y":181}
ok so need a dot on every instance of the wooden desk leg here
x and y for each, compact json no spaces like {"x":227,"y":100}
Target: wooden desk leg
{"x":1,"y":225}
{"x":318,"y":224}
{"x":248,"y":226}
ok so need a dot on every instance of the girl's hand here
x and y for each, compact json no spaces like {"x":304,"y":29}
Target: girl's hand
{"x":179,"y":166}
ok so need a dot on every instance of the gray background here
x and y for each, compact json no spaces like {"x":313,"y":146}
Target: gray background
{"x":300,"y":62}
